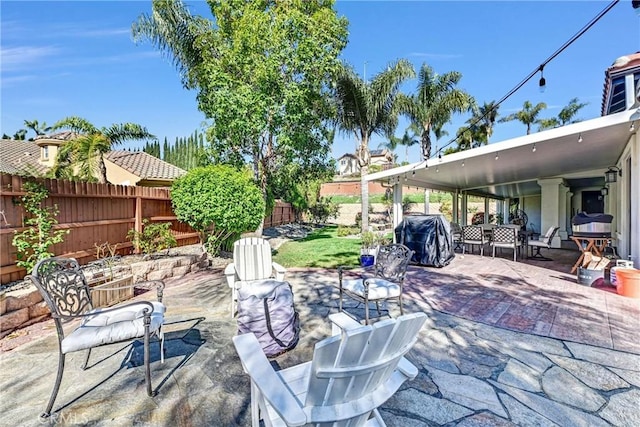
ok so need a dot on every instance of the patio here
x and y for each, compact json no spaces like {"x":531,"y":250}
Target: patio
{"x":505,"y":344}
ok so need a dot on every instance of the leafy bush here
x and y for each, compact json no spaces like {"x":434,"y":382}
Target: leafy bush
{"x":344,"y":231}
{"x":322,"y":210}
{"x":153,"y":238}
{"x":33,"y":243}
{"x":219,"y":202}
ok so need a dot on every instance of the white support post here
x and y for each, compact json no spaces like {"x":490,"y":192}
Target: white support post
{"x":550,"y":206}
{"x":397,"y":207}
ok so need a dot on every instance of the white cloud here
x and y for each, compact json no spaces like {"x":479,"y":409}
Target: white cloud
{"x":15,"y":58}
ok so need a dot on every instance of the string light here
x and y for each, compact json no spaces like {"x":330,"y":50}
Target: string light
{"x":533,"y":150}
{"x":580,"y":138}
{"x":413,"y":173}
{"x":497,"y":156}
{"x":543,"y":82}
{"x":632,"y":127}
{"x":463,"y":163}
{"x":561,"y":49}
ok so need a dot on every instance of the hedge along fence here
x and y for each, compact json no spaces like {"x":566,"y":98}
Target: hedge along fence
{"x":94,"y":214}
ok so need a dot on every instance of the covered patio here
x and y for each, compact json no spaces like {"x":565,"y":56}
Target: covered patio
{"x":506,"y":343}
{"x":548,"y":174}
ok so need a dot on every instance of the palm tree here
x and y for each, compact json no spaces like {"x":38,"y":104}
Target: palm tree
{"x":565,"y":116}
{"x":174,"y":31}
{"x":485,"y":118}
{"x":39,"y":129}
{"x":409,"y":140}
{"x":527,"y":116}
{"x":85,"y":153}
{"x":437,"y":98}
{"x":365,"y":108}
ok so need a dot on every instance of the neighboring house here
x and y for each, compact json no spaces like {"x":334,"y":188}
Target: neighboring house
{"x":383,"y":158}
{"x":21,"y":158}
{"x":348,"y":163}
{"x":37,"y":157}
{"x":552,"y":174}
{"x":139,"y":168}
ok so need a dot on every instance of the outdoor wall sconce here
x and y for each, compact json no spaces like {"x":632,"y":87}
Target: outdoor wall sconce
{"x":604,"y":191}
{"x":611,"y":175}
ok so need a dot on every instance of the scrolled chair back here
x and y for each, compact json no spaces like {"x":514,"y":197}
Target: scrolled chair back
{"x":63,"y":286}
{"x":392,"y":261}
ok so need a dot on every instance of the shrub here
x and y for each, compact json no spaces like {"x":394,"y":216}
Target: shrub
{"x":219,"y":202}
{"x":153,"y":238}
{"x":322,"y":210}
{"x":33,"y":243}
{"x":344,"y":231}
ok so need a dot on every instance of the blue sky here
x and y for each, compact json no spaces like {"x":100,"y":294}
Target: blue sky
{"x":77,"y":58}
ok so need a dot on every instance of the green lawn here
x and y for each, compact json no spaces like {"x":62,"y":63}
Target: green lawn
{"x":322,"y":248}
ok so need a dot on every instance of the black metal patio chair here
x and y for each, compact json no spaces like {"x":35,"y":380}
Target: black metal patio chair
{"x":382,"y":281}
{"x":68,"y":296}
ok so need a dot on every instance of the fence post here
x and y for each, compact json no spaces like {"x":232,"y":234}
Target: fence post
{"x":138,"y":213}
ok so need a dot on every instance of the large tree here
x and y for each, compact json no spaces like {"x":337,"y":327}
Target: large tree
{"x":82,"y":157}
{"x":368,"y":107}
{"x":437,"y":98}
{"x":262,"y":70}
{"x":527,"y":116}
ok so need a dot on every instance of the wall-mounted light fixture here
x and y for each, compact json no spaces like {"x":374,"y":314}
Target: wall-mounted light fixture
{"x":604,"y":191}
{"x":579,"y":138}
{"x":533,"y":149}
{"x":632,"y":127}
{"x":611,"y":175}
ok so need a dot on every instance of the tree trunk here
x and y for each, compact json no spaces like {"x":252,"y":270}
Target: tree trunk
{"x":426,"y":145}
{"x":364,"y":170}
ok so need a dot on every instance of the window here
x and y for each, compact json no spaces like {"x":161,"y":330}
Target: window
{"x":45,"y":152}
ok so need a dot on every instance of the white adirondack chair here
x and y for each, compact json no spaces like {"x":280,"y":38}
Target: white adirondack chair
{"x":252,"y":263}
{"x":350,"y":376}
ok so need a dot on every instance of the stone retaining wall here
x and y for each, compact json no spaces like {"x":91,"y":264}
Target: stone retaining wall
{"x":24,"y":306}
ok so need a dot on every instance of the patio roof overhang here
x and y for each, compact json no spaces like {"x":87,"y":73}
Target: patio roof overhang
{"x":516,"y":171}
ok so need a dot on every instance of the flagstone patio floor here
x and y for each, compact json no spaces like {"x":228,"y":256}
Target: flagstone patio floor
{"x":507,"y":343}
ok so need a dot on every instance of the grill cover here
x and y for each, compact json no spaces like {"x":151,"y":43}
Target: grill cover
{"x":429,"y":236}
{"x":585,"y":218}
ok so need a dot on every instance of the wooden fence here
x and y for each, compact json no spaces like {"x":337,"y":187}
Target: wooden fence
{"x":96,"y":214}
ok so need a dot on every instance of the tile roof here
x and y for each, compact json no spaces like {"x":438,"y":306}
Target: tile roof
{"x":20,"y":157}
{"x":144,"y":165}
{"x":66,"y":135}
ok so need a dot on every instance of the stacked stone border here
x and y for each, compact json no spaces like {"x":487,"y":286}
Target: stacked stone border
{"x":23,"y":306}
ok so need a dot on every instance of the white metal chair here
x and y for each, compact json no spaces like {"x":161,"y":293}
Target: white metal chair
{"x":350,"y":376}
{"x":252,"y":262}
{"x":65,"y":290}
{"x":543,"y":242}
{"x":382,"y":281}
{"x":473,"y":235}
{"x":504,"y":237}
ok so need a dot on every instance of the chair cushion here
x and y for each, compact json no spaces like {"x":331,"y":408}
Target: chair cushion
{"x":378,"y":288}
{"x":114,"y":326}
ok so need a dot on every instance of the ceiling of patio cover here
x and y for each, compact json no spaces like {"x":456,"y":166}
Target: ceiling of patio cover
{"x":429,"y":236}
